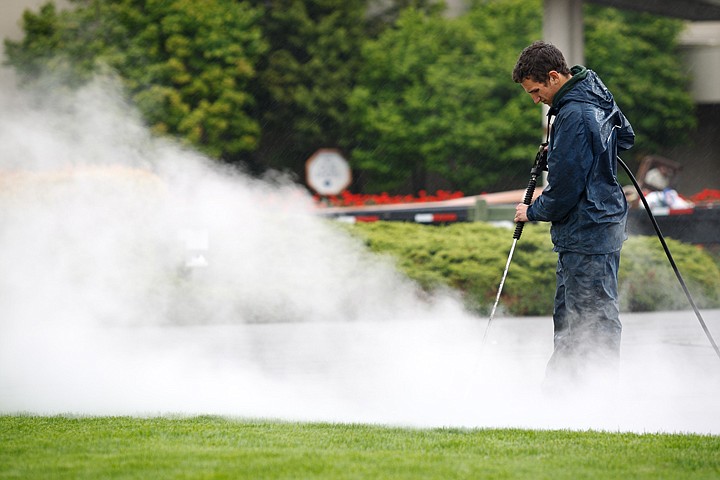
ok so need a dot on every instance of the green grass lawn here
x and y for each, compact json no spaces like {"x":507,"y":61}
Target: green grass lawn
{"x":214,"y":447}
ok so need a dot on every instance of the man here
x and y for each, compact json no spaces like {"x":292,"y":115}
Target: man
{"x":587,"y":208}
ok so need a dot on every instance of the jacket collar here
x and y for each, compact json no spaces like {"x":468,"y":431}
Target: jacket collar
{"x":579,"y":73}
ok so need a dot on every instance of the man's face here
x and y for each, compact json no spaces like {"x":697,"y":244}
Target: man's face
{"x":541,"y":92}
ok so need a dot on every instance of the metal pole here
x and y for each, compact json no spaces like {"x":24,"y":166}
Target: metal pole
{"x":502,"y":282}
{"x":538,"y":167}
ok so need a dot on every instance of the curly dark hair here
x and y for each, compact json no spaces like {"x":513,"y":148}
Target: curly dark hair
{"x":537,"y":60}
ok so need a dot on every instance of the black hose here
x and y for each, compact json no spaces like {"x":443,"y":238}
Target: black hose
{"x":669,"y":256}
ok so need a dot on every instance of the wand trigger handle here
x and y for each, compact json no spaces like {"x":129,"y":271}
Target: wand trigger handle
{"x":538,"y":167}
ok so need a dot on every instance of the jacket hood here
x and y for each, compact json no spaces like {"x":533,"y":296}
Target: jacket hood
{"x":583,"y":86}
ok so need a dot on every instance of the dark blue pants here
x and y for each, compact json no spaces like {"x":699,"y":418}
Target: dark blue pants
{"x":586,"y":318}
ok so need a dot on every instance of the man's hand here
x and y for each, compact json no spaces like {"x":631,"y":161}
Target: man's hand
{"x":521,"y":213}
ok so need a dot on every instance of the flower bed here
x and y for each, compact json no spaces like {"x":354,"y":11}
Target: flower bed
{"x":706,"y":196}
{"x":348,"y":199}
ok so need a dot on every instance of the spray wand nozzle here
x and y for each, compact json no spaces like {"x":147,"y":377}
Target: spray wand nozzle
{"x":539,"y":166}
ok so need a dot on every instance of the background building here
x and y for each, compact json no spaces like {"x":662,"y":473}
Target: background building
{"x":701,"y":159}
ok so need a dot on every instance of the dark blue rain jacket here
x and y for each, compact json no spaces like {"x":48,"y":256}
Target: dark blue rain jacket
{"x":583,"y":198}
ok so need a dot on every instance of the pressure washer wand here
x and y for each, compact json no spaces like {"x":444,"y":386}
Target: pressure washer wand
{"x":538,"y":167}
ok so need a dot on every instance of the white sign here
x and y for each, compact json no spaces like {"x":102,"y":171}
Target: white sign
{"x":327,"y":172}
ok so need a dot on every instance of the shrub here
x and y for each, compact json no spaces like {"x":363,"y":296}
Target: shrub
{"x":471,"y":258}
{"x":648,"y":282}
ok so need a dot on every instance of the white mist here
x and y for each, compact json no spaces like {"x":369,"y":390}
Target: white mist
{"x":291,"y":318}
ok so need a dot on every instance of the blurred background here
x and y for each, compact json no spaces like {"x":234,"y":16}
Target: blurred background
{"x":415,"y":95}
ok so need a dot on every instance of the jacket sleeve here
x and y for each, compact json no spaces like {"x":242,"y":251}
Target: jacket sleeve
{"x":569,"y":160}
{"x":626,"y":135}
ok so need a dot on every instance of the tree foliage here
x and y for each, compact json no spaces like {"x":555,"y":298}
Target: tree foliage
{"x":434,"y":97}
{"x":407,"y":93}
{"x":306,"y":76}
{"x":186,"y":65}
{"x":637,"y":56}
{"x":382,"y":14}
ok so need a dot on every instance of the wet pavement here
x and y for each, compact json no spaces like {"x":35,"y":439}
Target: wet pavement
{"x":426,"y":373}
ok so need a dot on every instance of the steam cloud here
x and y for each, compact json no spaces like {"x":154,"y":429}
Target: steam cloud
{"x":141,"y":278}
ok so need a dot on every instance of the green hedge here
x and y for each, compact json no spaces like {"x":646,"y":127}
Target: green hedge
{"x":471,"y":257}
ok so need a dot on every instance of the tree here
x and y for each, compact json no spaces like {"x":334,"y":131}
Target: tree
{"x":185,"y":64}
{"x":305,"y":77}
{"x":382,"y":14}
{"x":637,"y":56}
{"x":267,"y":82}
{"x":435,"y":97}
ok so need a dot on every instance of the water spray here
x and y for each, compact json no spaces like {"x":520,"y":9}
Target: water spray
{"x":539,"y":166}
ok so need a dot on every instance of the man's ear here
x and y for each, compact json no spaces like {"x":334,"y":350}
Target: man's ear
{"x":553,"y":77}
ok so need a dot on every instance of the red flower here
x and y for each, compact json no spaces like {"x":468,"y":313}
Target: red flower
{"x":707,"y":195}
{"x":346,"y":198}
